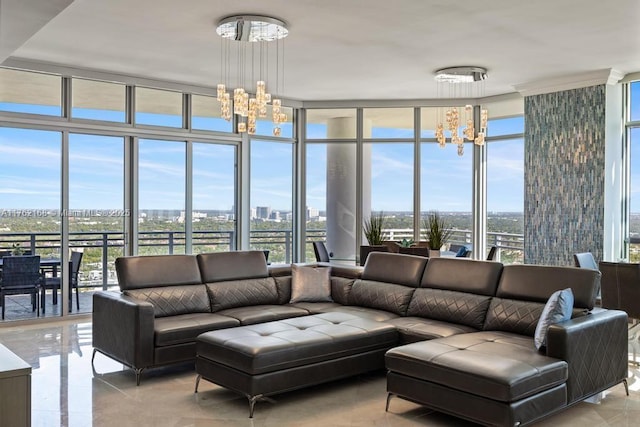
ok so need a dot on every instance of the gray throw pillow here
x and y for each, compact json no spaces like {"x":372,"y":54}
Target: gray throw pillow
{"x":558,"y":309}
{"x":310,"y":284}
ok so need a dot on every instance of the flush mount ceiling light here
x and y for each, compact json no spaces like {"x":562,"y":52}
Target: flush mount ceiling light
{"x":467,"y":82}
{"x":461,"y":74}
{"x":250,"y":35}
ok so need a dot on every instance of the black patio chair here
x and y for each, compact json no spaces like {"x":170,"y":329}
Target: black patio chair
{"x":320,"y":250}
{"x":21,"y":275}
{"x":54,"y":283}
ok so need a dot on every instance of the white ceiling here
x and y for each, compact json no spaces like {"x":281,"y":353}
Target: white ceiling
{"x":346,"y":50}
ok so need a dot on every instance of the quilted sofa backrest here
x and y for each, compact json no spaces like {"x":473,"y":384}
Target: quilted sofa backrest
{"x":381,"y":295}
{"x":223,"y":266}
{"x":523,"y":291}
{"x":242,"y":293}
{"x":450,"y":306}
{"x":394,"y":268}
{"x":463,"y":275}
{"x":137,"y":272}
{"x":174,"y":300}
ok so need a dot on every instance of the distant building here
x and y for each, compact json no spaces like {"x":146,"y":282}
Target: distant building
{"x":263,"y":212}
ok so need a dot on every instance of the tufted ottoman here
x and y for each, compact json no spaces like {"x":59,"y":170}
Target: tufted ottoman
{"x":269,"y":358}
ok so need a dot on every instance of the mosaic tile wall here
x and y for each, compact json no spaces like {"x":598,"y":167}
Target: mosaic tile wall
{"x":564,"y":175}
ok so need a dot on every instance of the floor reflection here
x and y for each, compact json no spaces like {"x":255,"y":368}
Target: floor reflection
{"x":67,"y":392}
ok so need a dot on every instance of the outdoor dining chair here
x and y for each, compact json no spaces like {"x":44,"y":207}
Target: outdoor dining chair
{"x":54,"y":283}
{"x":21,"y":275}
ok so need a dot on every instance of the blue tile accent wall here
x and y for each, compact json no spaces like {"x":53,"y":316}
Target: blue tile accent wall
{"x":564,"y":175}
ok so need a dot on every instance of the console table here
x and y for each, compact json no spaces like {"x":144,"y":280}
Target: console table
{"x":15,"y":390}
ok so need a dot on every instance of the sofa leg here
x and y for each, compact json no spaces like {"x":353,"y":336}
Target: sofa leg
{"x":626,"y":386}
{"x":389,"y":396}
{"x":138,"y":375}
{"x":197,"y":382}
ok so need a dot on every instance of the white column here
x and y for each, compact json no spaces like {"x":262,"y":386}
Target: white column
{"x":341,"y":188}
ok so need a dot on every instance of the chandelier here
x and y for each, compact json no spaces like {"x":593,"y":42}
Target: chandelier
{"x":251,"y":36}
{"x":461,"y":82}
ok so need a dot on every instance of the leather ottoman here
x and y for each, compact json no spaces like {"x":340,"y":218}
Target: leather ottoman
{"x":269,"y":358}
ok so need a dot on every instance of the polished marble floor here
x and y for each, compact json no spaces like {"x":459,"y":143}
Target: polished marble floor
{"x":67,"y":392}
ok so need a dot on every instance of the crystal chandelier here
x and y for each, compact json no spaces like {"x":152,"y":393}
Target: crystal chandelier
{"x":246,"y":32}
{"x":461,"y":82}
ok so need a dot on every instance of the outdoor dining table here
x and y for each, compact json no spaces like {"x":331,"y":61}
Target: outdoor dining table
{"x":47,"y":264}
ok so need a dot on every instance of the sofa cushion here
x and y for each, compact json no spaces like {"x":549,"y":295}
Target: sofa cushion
{"x":414,"y":329}
{"x":184,"y":328}
{"x":557,"y":309}
{"x":520,"y":317}
{"x":464,"y":275}
{"x":174,"y":300}
{"x":316,"y":307}
{"x":363,"y":312}
{"x":310,"y":284}
{"x":538,"y":282}
{"x":450,"y":306}
{"x":341,"y":288}
{"x":263,"y":313}
{"x":242,"y":293}
{"x":383,"y":296}
{"x":394,"y":268}
{"x":149,"y":271}
{"x":224,"y":266}
{"x":496,"y":365}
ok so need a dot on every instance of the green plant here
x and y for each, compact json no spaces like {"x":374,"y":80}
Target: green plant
{"x":406,"y":243}
{"x":437,"y":230}
{"x":373,"y":228}
{"x":16,"y":250}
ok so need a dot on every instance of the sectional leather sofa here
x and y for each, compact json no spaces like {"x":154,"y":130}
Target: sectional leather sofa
{"x":465,"y":328}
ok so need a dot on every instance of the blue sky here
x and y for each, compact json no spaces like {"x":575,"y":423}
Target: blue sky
{"x":30,"y":168}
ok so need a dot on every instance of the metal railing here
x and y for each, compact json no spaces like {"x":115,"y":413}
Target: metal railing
{"x":101,"y":248}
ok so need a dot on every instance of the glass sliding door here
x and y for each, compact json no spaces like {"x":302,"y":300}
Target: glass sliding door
{"x":161,"y":196}
{"x":272,"y":199}
{"x":96,"y":213}
{"x":30,"y":216}
{"x":214,"y":192}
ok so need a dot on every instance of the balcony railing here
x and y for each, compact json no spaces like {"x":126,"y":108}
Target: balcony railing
{"x":103,"y":247}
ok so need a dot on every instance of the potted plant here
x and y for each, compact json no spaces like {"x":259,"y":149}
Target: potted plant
{"x":437,"y":231}
{"x":373,"y":233}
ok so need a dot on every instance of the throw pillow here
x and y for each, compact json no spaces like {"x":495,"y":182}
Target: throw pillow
{"x":462,"y":252}
{"x":558,"y":309}
{"x":310,"y":284}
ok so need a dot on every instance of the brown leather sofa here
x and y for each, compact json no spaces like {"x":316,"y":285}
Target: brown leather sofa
{"x":476,"y":316}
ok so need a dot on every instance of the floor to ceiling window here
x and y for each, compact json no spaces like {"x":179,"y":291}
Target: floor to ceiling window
{"x":214,"y":198}
{"x":445,"y":178}
{"x":161,"y":197}
{"x":96,"y":212}
{"x":271,"y":190}
{"x":387,"y":169}
{"x":30,"y":215}
{"x":505,"y":188}
{"x":633,"y":135}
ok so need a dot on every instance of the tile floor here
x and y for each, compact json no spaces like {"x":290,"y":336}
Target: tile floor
{"x":67,"y":392}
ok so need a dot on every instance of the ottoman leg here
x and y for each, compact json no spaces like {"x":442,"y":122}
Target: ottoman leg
{"x":389,"y":396}
{"x":197,"y":382}
{"x":252,"y":403}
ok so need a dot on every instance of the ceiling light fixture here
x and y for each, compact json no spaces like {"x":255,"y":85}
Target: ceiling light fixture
{"x":459,"y":82}
{"x":247,"y":32}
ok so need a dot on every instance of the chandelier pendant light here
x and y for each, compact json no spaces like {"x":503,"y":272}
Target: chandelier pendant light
{"x":247,"y":31}
{"x":461,"y":82}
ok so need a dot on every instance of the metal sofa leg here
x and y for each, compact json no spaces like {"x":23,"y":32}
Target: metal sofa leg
{"x":626,"y":386}
{"x":389,"y":396}
{"x":138,"y":375}
{"x":252,"y":403}
{"x":198,"y":378}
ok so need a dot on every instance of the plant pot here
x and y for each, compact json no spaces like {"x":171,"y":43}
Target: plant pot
{"x":366,"y":250}
{"x":434,"y":253}
{"x":415,"y":250}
